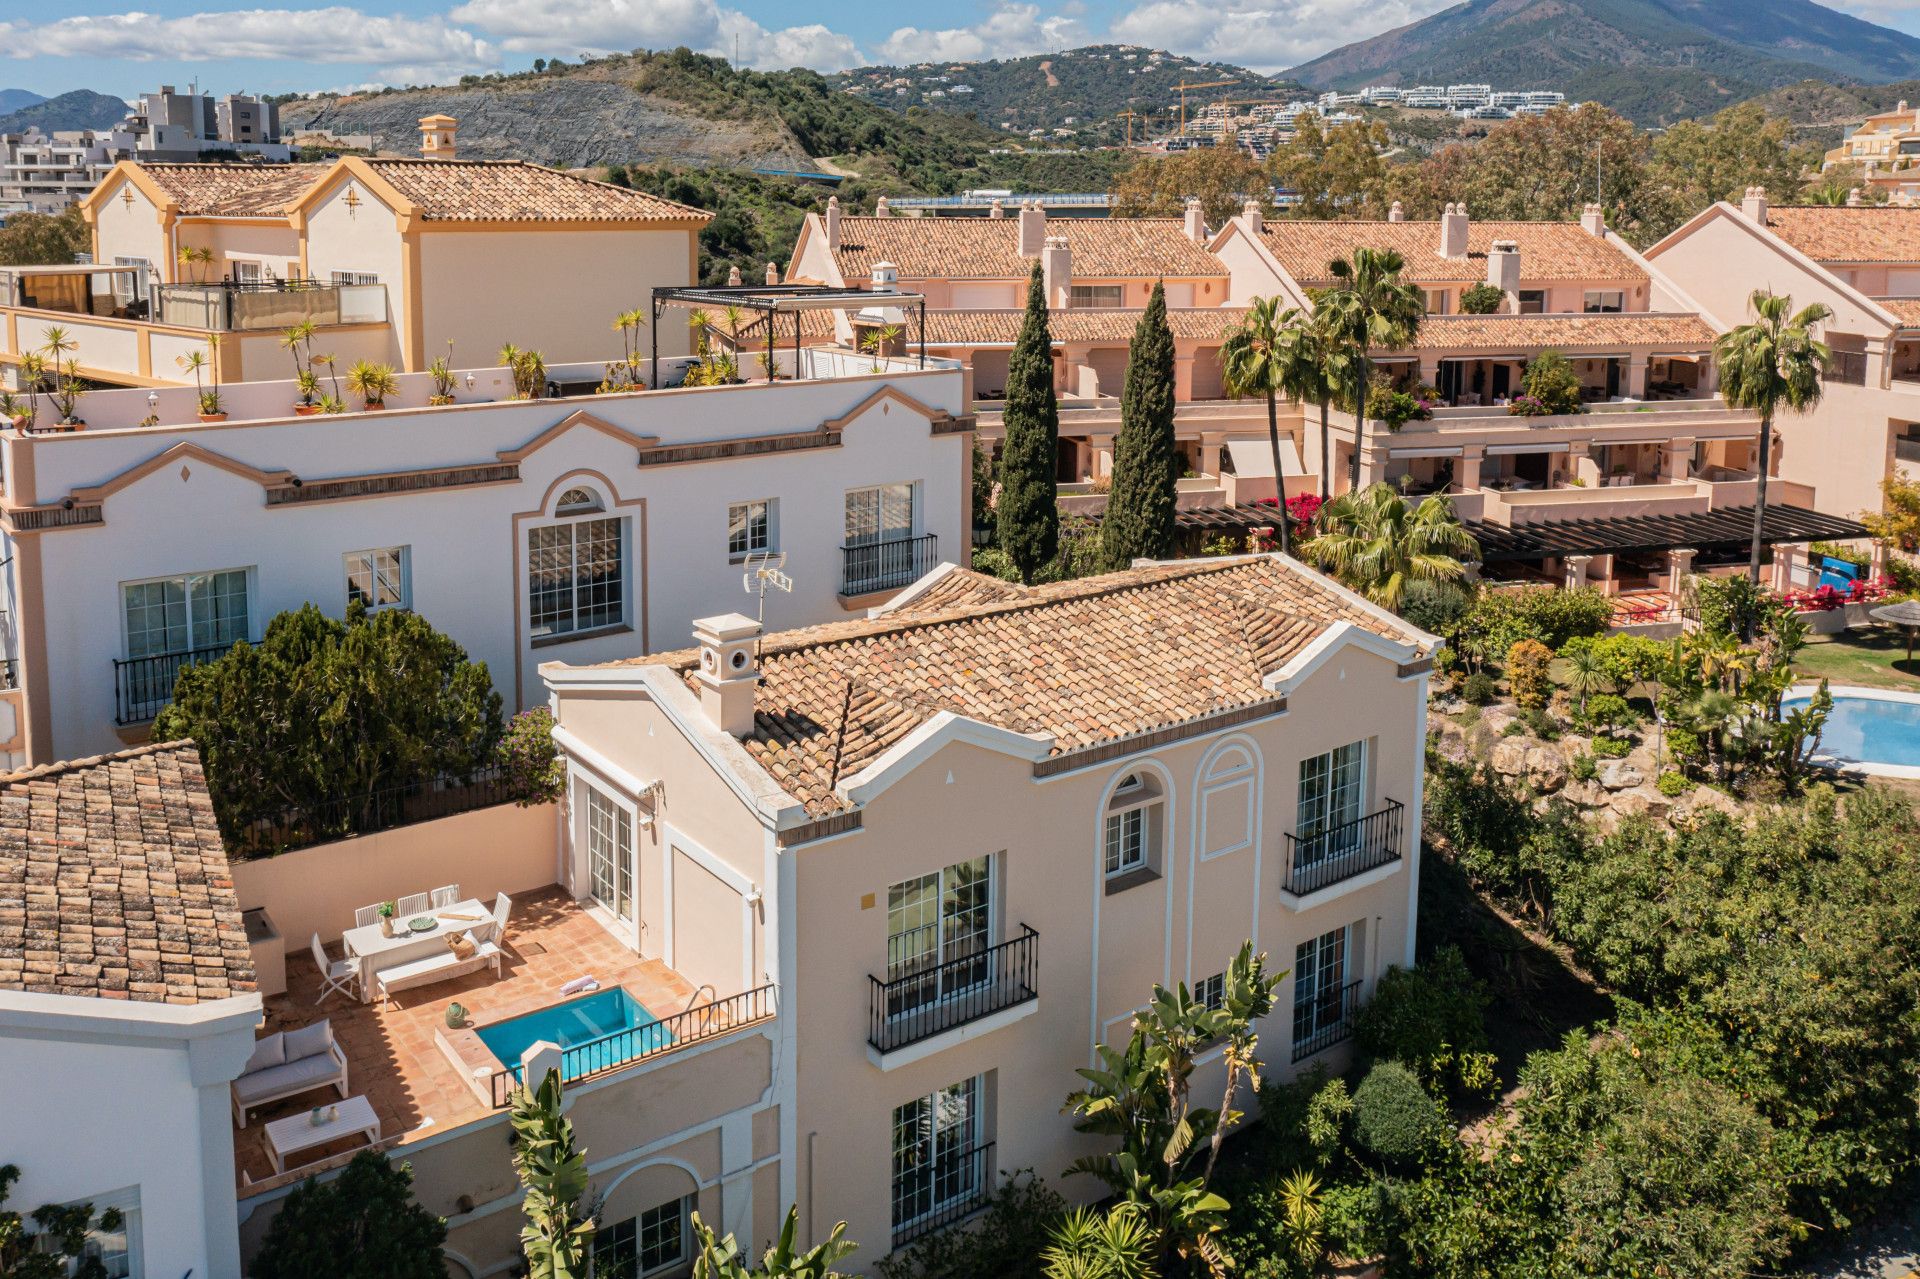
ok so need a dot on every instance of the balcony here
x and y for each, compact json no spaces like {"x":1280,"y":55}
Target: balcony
{"x":933,"y":998}
{"x":866,"y":567}
{"x":1339,"y":853}
{"x":269,"y":306}
{"x":1324,"y":1020}
{"x":951,"y":1187}
{"x":142,"y":685}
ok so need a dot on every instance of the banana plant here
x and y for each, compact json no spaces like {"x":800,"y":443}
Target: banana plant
{"x":717,"y":1258}
{"x":553,"y":1174}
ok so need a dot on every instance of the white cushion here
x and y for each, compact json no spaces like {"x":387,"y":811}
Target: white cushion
{"x":309,"y":1041}
{"x":284,"y":1081}
{"x":267,"y":1053}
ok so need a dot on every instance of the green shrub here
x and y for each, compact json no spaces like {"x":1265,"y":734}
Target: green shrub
{"x":1005,"y":1239}
{"x":1326,"y":1119}
{"x":1684,"y":745}
{"x":1514,"y":729}
{"x":1583,"y":767}
{"x":1609,"y":713}
{"x":995,"y":562}
{"x":1481,"y":299}
{"x":1673,"y":785}
{"x":1424,"y":1016}
{"x":1478,"y":689}
{"x":1435,"y":607}
{"x":1551,"y":379}
{"x":1528,"y":663}
{"x":1611,"y":747}
{"x":1354,"y":1218}
{"x":1541,"y":723}
{"x":1500,"y":619}
{"x":1394,"y":1118}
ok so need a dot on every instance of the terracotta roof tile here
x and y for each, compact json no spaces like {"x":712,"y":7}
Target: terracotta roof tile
{"x":1866,"y":233}
{"x":989,"y":248}
{"x":1906,"y":310}
{"x":114,"y":881}
{"x":515,"y":191}
{"x":959,"y":588}
{"x":1563,"y":332}
{"x":1548,"y":250}
{"x":1087,"y":661}
{"x":234,"y":190}
{"x":990,"y":327}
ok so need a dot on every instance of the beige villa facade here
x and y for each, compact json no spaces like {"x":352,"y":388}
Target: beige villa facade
{"x":392,"y":259}
{"x":1863,"y":264}
{"x":968,"y":835}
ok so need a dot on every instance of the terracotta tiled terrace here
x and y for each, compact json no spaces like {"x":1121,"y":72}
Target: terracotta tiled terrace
{"x":392,"y":1056}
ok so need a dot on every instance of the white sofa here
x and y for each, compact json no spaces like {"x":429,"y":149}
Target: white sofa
{"x":287,"y":1064}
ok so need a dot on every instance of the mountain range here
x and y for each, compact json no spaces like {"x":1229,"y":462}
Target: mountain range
{"x":1652,"y":60}
{"x":78,"y":109}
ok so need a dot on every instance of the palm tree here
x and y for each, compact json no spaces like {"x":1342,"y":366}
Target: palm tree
{"x":1584,"y":673}
{"x":1251,"y":362}
{"x":1770,"y":363}
{"x":1090,"y":1244}
{"x":1376,"y":544}
{"x":1369,"y":306}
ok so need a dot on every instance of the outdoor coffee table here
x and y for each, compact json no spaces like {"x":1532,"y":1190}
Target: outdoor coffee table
{"x":298,"y":1132}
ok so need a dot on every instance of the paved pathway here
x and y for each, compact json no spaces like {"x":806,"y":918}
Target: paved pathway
{"x":1889,"y":1250}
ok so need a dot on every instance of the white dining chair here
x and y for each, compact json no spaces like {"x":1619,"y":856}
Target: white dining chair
{"x":446,"y":896}
{"x":502,"y":907}
{"x":335,"y":974}
{"x":367,"y":915}
{"x":411,"y":905}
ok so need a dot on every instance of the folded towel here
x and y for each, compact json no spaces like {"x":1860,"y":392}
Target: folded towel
{"x":580,"y":986}
{"x":462,"y":917}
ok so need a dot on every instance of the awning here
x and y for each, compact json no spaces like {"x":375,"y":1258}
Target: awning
{"x":1544,"y":446}
{"x":1253,"y":459}
{"x":1725,"y":529}
{"x":1411,"y":453}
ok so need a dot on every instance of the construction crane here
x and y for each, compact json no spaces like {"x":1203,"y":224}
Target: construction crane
{"x":1184,"y":85}
{"x":1130,"y":115}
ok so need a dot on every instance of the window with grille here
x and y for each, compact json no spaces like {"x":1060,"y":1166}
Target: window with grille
{"x":1211,"y":991}
{"x":186,"y":613}
{"x":935,"y":1168}
{"x":939,"y":929}
{"x":378,"y":578}
{"x":1332,"y":794}
{"x":576,"y":569}
{"x":609,"y":853}
{"x":749,"y":528}
{"x":355,"y":277}
{"x":1319,"y":985}
{"x":655,"y":1240}
{"x":1131,"y":826}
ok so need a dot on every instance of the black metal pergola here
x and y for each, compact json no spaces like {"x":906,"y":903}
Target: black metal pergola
{"x":770,"y":301}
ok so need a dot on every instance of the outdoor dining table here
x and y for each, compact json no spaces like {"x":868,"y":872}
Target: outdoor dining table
{"x":375,"y":951}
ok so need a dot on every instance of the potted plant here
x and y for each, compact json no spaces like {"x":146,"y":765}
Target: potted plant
{"x":68,"y":387}
{"x":878,"y":343}
{"x":529,"y":369}
{"x":373,"y":383}
{"x":197,"y":361}
{"x":12,"y":411}
{"x":441,"y":371}
{"x":326,"y":362}
{"x":386,"y":918}
{"x":298,"y":342}
{"x":33,"y":376}
{"x":330,"y":404}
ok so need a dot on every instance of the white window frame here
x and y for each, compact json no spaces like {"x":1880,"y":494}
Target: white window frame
{"x":1136,"y":811}
{"x":579,"y":516}
{"x":1522,"y":297}
{"x":1434,"y":301}
{"x":882,"y":532}
{"x":128,"y":288}
{"x":355,"y":277}
{"x":769,"y":518}
{"x":186,"y":589}
{"x":1211,"y":991}
{"x":974,"y":1090}
{"x":1309,"y":971}
{"x":1098,"y":297}
{"x":621,"y":871}
{"x":403,"y":573}
{"x":1588,"y":306}
{"x":249,"y":271}
{"x":127,"y":1200}
{"x":682,"y":1210}
{"x":948,"y":945}
{"x":1314,"y":808}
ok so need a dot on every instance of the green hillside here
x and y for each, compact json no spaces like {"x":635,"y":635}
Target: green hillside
{"x":79,"y":109}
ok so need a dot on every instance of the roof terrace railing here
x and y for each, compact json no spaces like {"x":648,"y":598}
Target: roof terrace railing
{"x":271,"y":305}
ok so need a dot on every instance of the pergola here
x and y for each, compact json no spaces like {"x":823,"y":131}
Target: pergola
{"x":770,"y":301}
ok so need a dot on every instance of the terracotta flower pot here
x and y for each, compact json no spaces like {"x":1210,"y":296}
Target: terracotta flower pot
{"x":213,"y":417}
{"x":376,"y":406}
{"x":439,"y":399}
{"x":305,"y":410}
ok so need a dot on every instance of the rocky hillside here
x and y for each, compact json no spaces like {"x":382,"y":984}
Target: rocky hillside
{"x":79,"y":109}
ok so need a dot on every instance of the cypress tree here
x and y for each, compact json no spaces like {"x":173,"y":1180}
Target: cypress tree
{"x":1027,"y":518}
{"x":1146,"y":466}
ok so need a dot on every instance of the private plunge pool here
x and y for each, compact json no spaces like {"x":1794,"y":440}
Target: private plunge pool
{"x":607,"y":1028}
{"x":1870,"y":730}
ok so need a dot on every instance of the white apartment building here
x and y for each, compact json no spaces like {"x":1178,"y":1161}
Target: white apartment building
{"x":42,"y":173}
{"x":581,"y":529}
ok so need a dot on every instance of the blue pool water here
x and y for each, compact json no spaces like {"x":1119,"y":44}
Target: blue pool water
{"x":594,"y":1032}
{"x":1869,"y":730}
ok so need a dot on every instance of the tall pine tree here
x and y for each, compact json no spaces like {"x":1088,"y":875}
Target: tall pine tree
{"x":1146,"y":467}
{"x":1027,"y":517}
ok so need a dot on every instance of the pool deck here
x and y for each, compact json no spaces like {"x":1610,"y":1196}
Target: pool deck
{"x":393,"y":1055}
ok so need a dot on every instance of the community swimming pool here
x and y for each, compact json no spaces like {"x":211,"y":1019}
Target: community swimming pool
{"x":1869,"y":730}
{"x":595,"y":1032}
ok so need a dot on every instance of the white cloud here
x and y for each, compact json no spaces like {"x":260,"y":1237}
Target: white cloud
{"x":1010,"y":31}
{"x":1266,"y":35}
{"x":814,"y":45}
{"x":565,"y":28}
{"x":336,"y":34}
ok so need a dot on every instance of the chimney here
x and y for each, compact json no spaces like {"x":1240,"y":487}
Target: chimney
{"x":1195,"y":221}
{"x":1033,"y":230}
{"x":1397,"y":213}
{"x":1250,"y":215}
{"x":881,"y":209}
{"x":886,"y":277}
{"x":728,"y":676}
{"x":1593,"y":220}
{"x":1754,"y":204}
{"x":773,"y":273}
{"x":733,"y":277}
{"x":436,"y":137}
{"x":1503,"y":266}
{"x":1854,"y":199}
{"x":1453,"y":231}
{"x":833,"y":224}
{"x":999,"y":210}
{"x":1056,"y":272}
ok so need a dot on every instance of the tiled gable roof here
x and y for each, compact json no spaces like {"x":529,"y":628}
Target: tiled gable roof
{"x":1087,"y":662}
{"x":234,"y":190}
{"x":515,"y":191}
{"x":990,"y":327}
{"x":958,"y":588}
{"x":114,"y":882}
{"x":1865,"y":233}
{"x":989,"y":248}
{"x":1905,"y":310}
{"x":1548,"y":250}
{"x":1563,"y":332}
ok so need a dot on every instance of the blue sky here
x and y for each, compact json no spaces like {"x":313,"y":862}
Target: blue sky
{"x":274,"y":46}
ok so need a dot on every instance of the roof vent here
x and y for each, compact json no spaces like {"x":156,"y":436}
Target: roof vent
{"x":436,"y":137}
{"x":729,"y":673}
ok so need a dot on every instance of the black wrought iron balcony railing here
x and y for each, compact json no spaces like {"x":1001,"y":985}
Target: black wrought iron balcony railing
{"x":1324,"y":1020}
{"x":949,"y":1186}
{"x":924,"y":998}
{"x":142,"y":685}
{"x":1327,"y":857}
{"x":886,"y":566}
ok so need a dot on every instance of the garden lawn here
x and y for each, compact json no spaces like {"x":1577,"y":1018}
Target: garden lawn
{"x":1873,"y":656}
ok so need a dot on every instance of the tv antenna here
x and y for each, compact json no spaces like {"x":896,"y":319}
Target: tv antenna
{"x":762,"y":575}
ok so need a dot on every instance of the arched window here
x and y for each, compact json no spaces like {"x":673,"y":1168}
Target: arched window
{"x":1135,"y":817}
{"x":576,"y":567}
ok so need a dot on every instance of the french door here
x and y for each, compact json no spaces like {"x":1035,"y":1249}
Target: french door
{"x":1332,"y":796}
{"x":939,"y":931}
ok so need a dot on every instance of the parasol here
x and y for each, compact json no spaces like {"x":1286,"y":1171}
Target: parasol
{"x":1905,"y":614}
